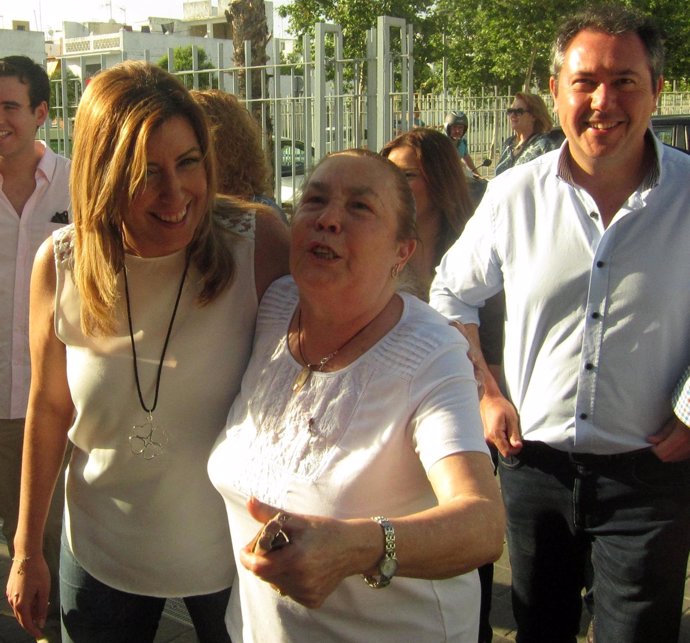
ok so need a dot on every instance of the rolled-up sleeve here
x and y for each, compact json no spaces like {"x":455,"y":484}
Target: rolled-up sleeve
{"x":470,"y":272}
{"x":681,"y":398}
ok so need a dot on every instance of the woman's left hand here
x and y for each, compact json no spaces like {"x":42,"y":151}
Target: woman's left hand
{"x":28,"y":588}
{"x":320,"y":554}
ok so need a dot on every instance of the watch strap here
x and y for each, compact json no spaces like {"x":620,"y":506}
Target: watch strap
{"x":384,"y":579}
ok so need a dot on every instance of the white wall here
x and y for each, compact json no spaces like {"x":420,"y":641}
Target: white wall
{"x":134,"y":45}
{"x":23,"y":43}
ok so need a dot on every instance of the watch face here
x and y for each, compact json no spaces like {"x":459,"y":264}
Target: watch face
{"x":388,"y":567}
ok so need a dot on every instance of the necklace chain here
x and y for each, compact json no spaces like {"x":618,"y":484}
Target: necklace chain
{"x":324,"y":360}
{"x":305,"y":373}
{"x":165,"y":344}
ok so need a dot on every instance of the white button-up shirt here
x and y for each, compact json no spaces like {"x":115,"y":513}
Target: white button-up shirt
{"x":20,"y":237}
{"x":597,"y":329}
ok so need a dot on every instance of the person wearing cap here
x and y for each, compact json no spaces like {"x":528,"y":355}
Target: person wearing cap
{"x":456,"y":125}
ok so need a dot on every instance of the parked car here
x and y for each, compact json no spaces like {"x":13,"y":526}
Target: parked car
{"x":293,"y":164}
{"x":672,"y":129}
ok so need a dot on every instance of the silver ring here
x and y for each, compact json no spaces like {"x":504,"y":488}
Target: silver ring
{"x":280,"y":540}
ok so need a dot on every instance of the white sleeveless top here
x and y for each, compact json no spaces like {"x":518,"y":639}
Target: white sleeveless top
{"x":155,"y":527}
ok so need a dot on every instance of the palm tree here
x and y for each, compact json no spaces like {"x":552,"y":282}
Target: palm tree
{"x":247,"y":20}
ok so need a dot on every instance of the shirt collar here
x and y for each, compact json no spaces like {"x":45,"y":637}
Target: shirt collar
{"x":564,"y":171}
{"x":46,"y":166}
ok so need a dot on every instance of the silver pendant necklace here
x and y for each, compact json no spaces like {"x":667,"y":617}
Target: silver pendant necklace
{"x":305,"y":373}
{"x":148,"y":439}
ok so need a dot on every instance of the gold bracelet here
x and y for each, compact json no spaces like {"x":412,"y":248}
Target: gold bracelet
{"x":22,"y":560}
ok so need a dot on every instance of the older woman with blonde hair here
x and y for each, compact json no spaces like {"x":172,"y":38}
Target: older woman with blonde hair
{"x":355,"y":447}
{"x":142,"y":318}
{"x":242,"y":167}
{"x":531,"y":122}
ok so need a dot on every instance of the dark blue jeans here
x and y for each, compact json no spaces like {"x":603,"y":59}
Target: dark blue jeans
{"x":96,"y":613}
{"x":631,"y":511}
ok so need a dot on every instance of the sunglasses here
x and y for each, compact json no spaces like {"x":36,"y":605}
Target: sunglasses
{"x":517,"y":111}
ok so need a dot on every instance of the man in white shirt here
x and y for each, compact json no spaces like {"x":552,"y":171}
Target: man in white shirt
{"x":34,"y":201}
{"x":590,"y":245}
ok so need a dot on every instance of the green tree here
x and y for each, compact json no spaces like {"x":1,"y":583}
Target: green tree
{"x":357,"y":16}
{"x":183,"y":61}
{"x":247,"y":19}
{"x":504,"y":43}
{"x":674,"y":18}
{"x":507,"y":42}
{"x":73,"y":94}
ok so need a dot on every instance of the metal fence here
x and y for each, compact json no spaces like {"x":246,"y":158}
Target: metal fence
{"x":488,"y":124}
{"x":324,"y":102}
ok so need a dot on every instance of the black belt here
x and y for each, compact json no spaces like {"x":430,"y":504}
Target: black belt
{"x":541,"y":453}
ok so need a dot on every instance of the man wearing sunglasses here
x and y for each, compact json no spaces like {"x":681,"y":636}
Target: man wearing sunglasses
{"x":590,"y":245}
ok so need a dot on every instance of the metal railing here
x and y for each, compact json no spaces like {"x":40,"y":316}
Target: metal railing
{"x":324,"y":102}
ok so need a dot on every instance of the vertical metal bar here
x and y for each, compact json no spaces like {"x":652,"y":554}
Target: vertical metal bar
{"x":309,"y":108}
{"x":408,"y":37}
{"x":249,"y":73}
{"x":338,"y":119}
{"x":277,"y":120}
{"x":372,"y":91}
{"x":221,"y":66}
{"x":65,"y":111}
{"x":383,"y":115}
{"x":195,"y":67}
{"x":385,"y":85}
{"x":320,"y":89}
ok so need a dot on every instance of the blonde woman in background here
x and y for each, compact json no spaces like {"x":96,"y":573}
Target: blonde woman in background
{"x":242,"y":166}
{"x":530,"y":120}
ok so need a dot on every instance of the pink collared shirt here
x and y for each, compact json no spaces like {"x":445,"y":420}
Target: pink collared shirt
{"x":20,"y":237}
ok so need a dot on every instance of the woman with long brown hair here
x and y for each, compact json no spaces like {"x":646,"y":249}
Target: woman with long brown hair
{"x":142,"y":319}
{"x":434,"y":173}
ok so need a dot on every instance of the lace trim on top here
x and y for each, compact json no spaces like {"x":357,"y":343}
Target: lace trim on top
{"x":63,"y":239}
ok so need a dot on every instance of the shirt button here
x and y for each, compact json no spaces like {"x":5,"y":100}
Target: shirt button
{"x":589,"y":366}
{"x":595,"y":315}
{"x":600,"y":264}
{"x":583,"y":416}
{"x":594,"y":215}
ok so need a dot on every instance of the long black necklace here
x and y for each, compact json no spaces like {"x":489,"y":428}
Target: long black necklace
{"x":148,"y":439}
